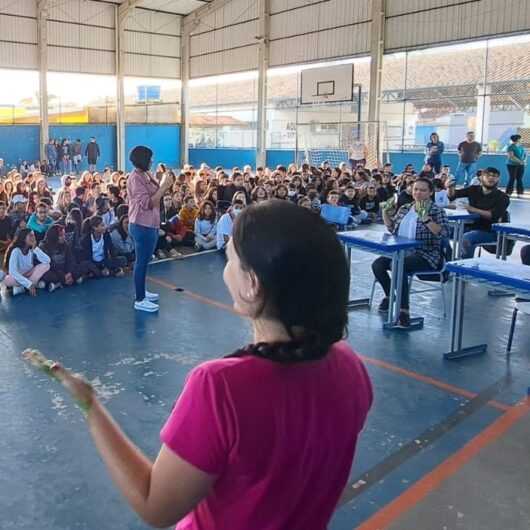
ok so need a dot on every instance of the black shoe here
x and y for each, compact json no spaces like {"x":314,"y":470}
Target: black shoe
{"x":404,"y":319}
{"x":383,"y":306}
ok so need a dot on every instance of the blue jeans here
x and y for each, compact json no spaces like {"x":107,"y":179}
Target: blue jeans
{"x":145,"y":240}
{"x":465,"y":171}
{"x":473,"y":238}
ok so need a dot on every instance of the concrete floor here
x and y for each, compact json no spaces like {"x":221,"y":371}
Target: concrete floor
{"x":428,"y":412}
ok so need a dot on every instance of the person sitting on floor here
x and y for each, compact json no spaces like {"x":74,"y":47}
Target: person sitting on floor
{"x":40,"y":221}
{"x":226,"y":224}
{"x":6,"y":230}
{"x":64,"y":270}
{"x":486,"y":200}
{"x":205,"y":227}
{"x":349,"y":199}
{"x":104,"y":210}
{"x":370,"y":203}
{"x":421,"y":220}
{"x":188,"y":213}
{"x":122,"y":241}
{"x":97,"y":250}
{"x":173,"y":234}
{"x":19,"y":263}
{"x":18,"y":214}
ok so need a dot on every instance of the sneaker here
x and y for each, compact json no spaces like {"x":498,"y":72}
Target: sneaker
{"x":146,"y":305}
{"x":41,"y":285}
{"x":105,"y":272}
{"x":160,"y":254}
{"x":79,"y":281}
{"x":383,"y":306}
{"x":18,"y":289}
{"x":119,"y":273}
{"x":173,"y":253}
{"x":53,"y":287}
{"x":152,"y":297}
{"x":404,"y":319}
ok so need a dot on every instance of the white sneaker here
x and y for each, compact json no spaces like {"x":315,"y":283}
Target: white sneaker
{"x":53,"y":287}
{"x":79,"y":280}
{"x":152,"y":297}
{"x":41,"y":285}
{"x":18,"y":289}
{"x":146,"y":305}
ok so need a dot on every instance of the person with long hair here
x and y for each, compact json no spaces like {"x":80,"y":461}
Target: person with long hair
{"x":205,"y":227}
{"x":22,"y":273}
{"x":433,"y":152}
{"x":252,"y":433}
{"x":122,"y":241}
{"x":144,"y":193}
{"x":64,"y":270}
{"x":421,"y":220}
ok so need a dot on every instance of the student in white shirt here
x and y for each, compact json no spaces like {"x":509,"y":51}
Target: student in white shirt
{"x":441,"y":197}
{"x":226,"y":223}
{"x":19,"y":262}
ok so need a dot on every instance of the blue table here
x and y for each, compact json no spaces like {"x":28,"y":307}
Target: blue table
{"x":458,"y":219}
{"x":492,"y":272}
{"x":383,"y":244}
{"x":506,"y":231}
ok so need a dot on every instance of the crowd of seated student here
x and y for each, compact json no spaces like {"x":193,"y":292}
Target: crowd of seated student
{"x":89,"y":213}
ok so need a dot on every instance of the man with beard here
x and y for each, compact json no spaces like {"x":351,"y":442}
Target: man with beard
{"x":487,"y":201}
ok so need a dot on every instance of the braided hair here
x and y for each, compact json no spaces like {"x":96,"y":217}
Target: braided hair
{"x":302,"y":269}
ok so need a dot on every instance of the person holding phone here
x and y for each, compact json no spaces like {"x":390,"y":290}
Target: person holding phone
{"x":144,"y":193}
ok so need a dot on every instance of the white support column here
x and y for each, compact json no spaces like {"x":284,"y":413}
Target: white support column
{"x":122,"y":12}
{"x":42,"y":31}
{"x":263,"y":65}
{"x":185,"y":114}
{"x":377,"y":48}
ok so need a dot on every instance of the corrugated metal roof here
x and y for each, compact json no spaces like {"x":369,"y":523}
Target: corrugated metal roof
{"x":179,"y":7}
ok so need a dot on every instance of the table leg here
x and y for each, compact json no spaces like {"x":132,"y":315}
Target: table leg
{"x":396,"y":291}
{"x":500,"y":254}
{"x":458,"y":237}
{"x":457,"y":325}
{"x":358,"y":302}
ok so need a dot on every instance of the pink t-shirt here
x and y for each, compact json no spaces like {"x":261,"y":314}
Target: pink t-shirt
{"x":280,"y":438}
{"x":140,"y":187}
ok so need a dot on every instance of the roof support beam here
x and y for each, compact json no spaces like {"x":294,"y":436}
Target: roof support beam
{"x":42,"y":31}
{"x":263,"y":66}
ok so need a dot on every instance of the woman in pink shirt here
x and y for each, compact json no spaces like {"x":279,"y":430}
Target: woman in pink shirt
{"x":144,"y":193}
{"x":263,"y":438}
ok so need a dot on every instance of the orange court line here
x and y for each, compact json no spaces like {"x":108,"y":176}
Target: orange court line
{"x":195,"y":296}
{"x":416,"y":493}
{"x":368,"y":360}
{"x":430,"y":381}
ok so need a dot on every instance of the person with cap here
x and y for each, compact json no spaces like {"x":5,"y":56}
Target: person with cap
{"x":92,"y":152}
{"x":144,"y":193}
{"x":18,"y":211}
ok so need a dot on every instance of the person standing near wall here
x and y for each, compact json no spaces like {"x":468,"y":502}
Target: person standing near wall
{"x":434,"y":150}
{"x":77,"y":154}
{"x":51,"y":156}
{"x":516,"y":164}
{"x":92,"y":152}
{"x":469,"y":151}
{"x":144,"y":193}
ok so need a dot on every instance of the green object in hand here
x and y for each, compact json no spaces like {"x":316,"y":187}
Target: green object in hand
{"x":422,"y":209}
{"x":390,"y":204}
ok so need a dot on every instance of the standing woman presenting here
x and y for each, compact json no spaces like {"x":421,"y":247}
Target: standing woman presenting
{"x":144,"y":193}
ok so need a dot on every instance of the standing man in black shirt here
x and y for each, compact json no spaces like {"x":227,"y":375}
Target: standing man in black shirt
{"x":469,"y":152}
{"x":487,"y":201}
